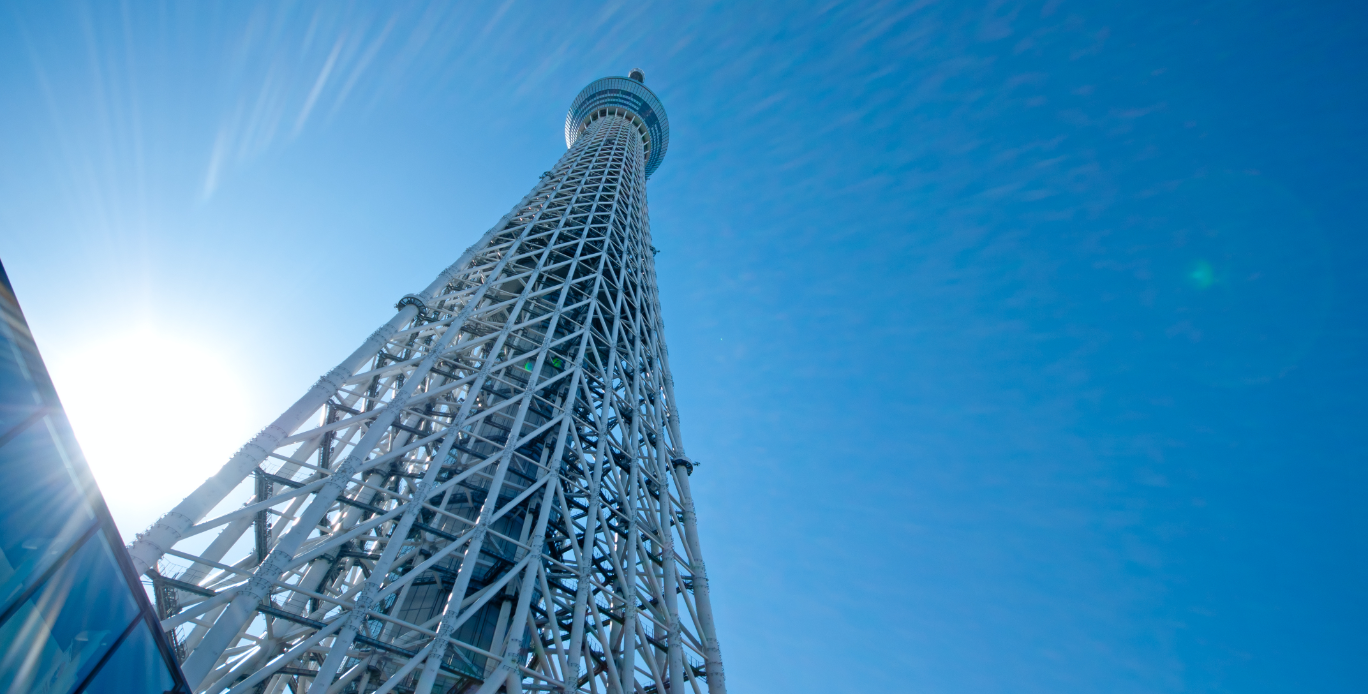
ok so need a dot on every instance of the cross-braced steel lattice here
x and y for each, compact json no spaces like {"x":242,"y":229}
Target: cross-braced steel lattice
{"x":490,"y":494}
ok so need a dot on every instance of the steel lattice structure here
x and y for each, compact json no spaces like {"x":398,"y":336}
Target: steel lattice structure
{"x":491,"y":493}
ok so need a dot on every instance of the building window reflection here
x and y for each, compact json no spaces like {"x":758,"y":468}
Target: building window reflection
{"x":135,"y":666}
{"x":44,"y":510}
{"x":73,"y":616}
{"x":62,"y":631}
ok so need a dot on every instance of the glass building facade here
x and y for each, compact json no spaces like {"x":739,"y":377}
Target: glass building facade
{"x":73,"y":615}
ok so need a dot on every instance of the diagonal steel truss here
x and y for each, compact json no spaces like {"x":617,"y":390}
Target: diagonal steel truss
{"x":491,"y":492}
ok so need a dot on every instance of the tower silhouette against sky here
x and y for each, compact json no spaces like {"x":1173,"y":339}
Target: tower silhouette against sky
{"x":490,"y":494}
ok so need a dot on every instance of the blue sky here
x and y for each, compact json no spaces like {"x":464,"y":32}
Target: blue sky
{"x":1022,"y":343}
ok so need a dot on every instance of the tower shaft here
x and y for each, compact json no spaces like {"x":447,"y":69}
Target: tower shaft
{"x":490,"y":494}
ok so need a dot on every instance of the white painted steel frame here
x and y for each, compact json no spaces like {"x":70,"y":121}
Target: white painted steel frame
{"x":490,"y":494}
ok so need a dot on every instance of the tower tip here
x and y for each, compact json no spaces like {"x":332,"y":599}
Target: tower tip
{"x":622,"y":95}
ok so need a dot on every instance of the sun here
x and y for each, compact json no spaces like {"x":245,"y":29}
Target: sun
{"x":155,"y":413}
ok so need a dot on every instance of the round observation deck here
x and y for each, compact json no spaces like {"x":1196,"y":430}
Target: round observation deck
{"x":629,"y":97}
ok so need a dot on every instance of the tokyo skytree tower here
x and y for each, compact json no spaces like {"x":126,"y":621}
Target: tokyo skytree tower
{"x":490,"y":494}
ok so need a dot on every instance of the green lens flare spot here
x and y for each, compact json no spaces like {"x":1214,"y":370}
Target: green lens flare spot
{"x":1202,"y":275}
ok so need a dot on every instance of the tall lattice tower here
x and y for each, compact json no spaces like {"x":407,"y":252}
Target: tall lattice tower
{"x":491,"y":493}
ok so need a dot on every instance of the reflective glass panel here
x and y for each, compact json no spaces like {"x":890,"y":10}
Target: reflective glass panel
{"x":18,"y":397}
{"x":44,"y":510}
{"x":67,"y":625}
{"x":136,"y":668}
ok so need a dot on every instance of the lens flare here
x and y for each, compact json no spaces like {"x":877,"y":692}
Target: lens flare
{"x":1202,"y":275}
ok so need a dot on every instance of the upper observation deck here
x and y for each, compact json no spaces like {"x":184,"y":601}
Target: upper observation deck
{"x":617,"y":95}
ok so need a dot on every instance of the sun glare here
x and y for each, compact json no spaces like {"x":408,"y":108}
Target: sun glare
{"x":155,"y":414}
